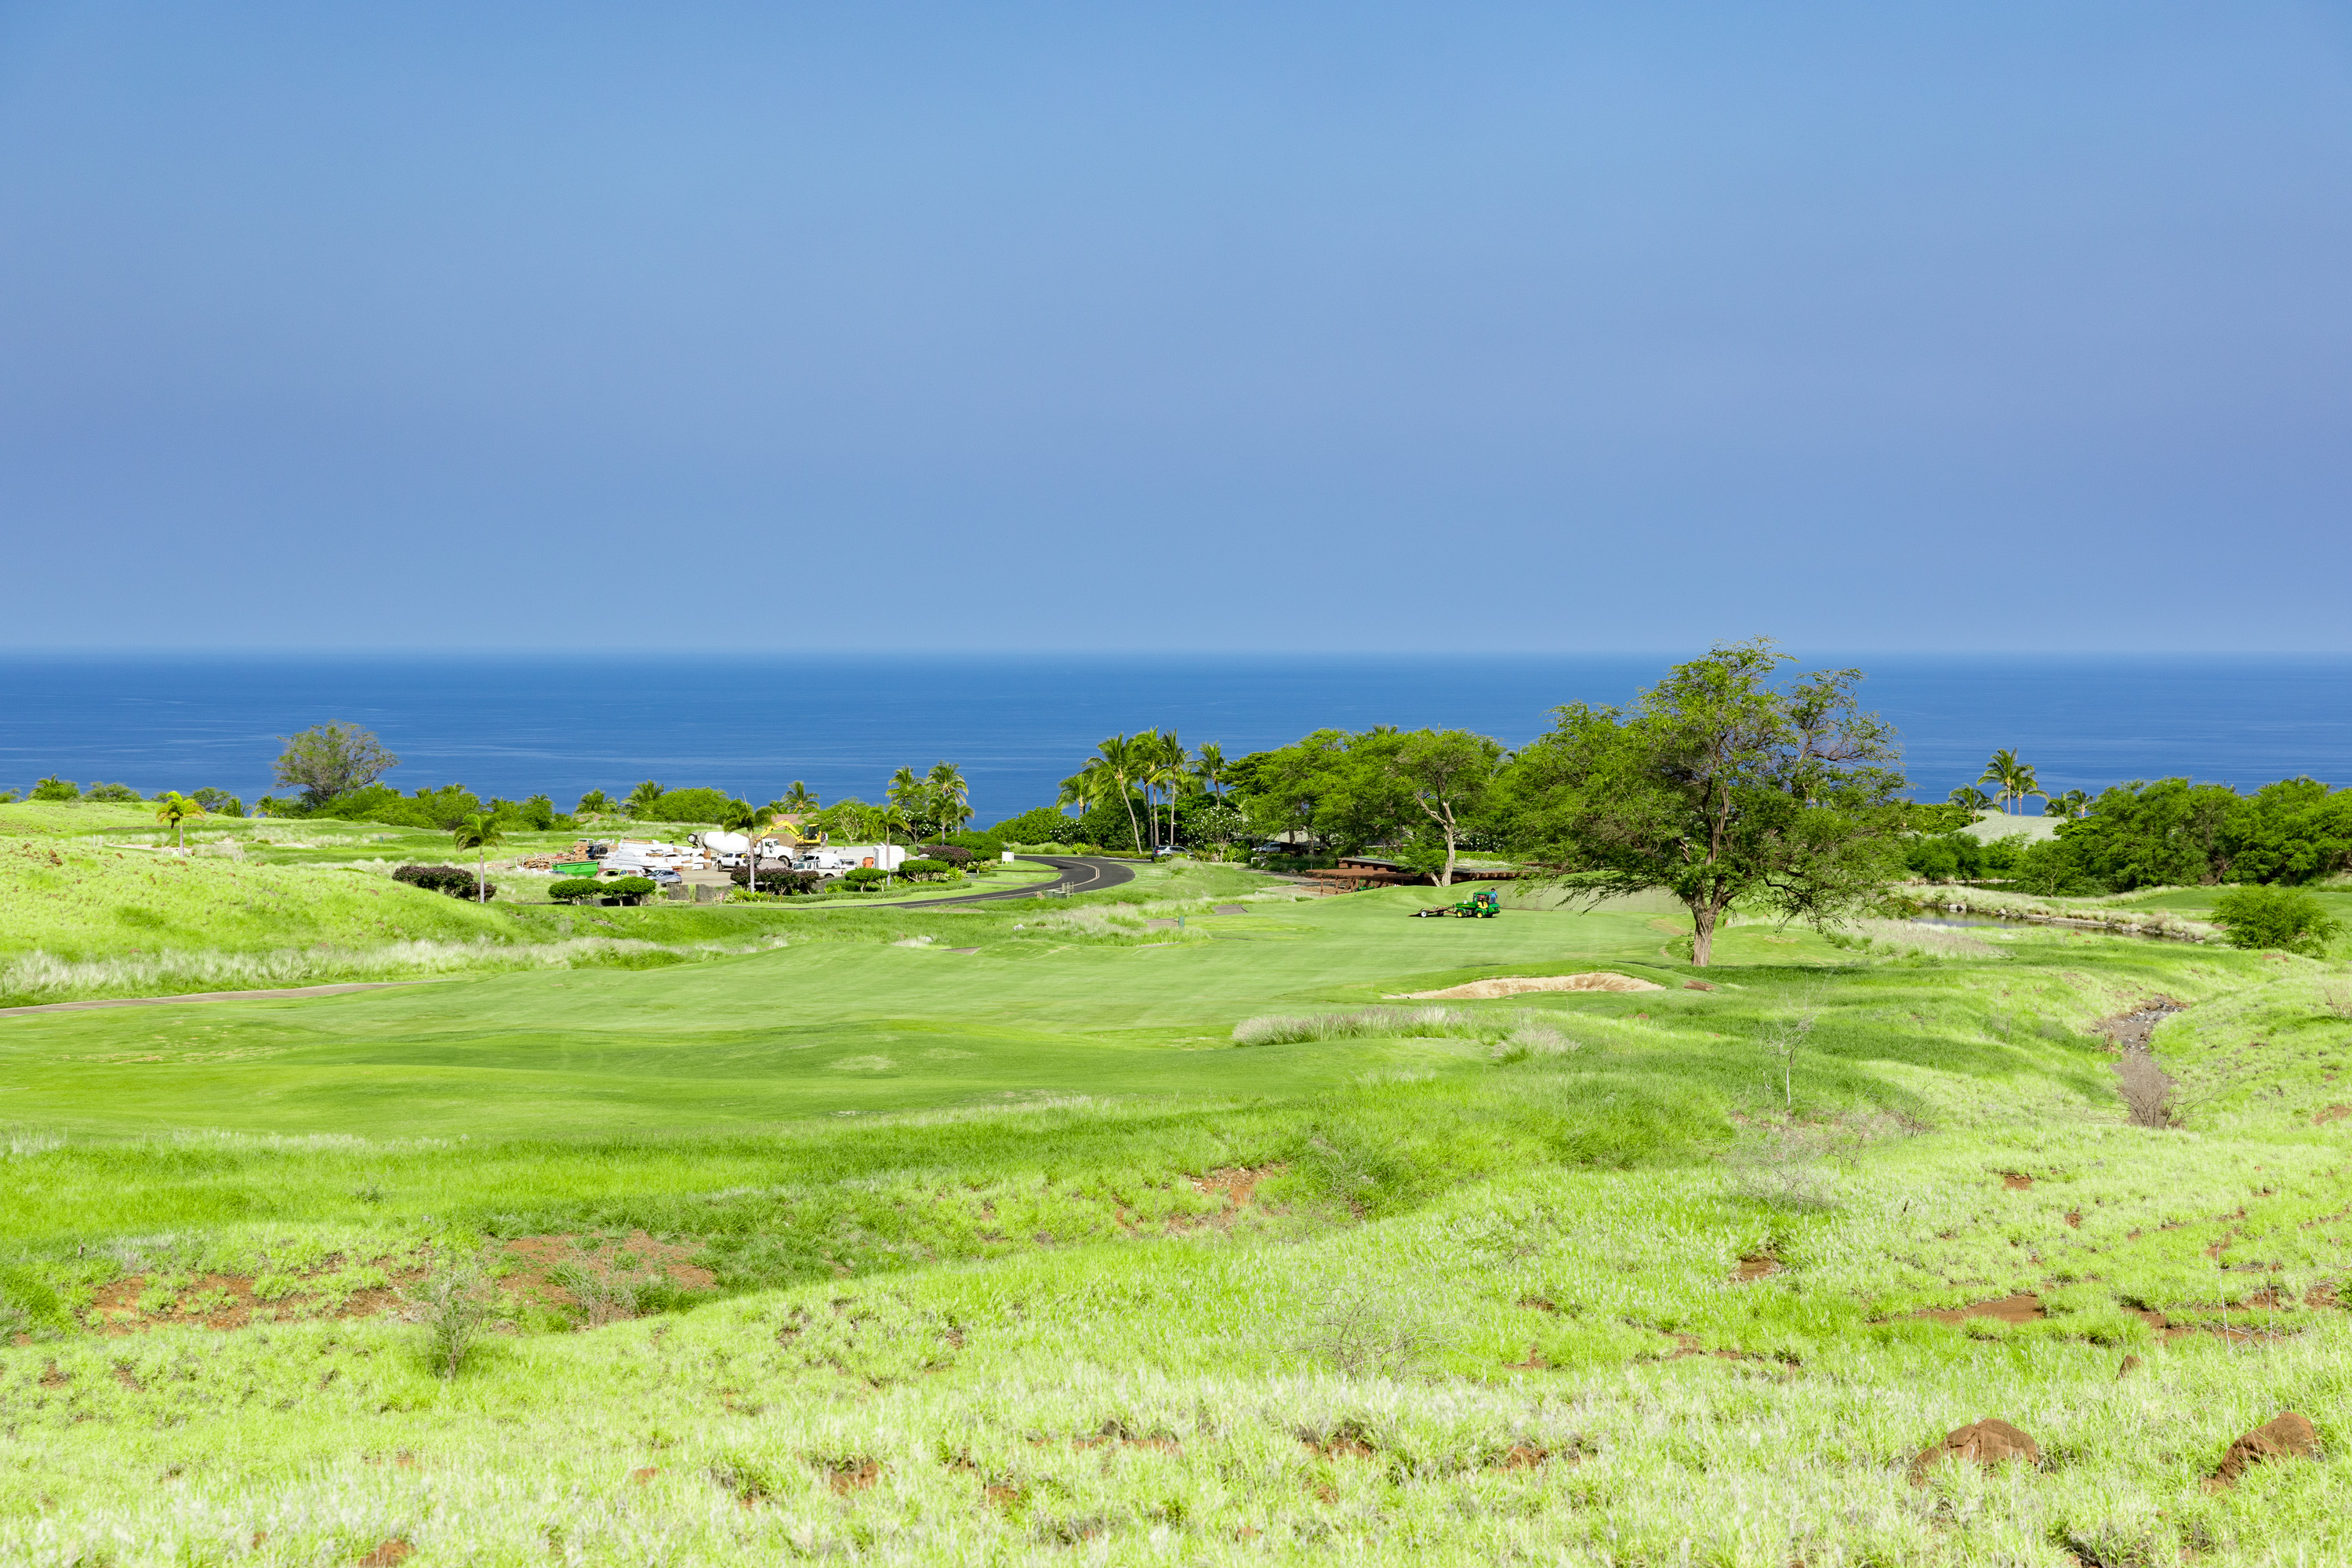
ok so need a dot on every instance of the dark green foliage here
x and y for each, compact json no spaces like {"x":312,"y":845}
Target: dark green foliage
{"x":596,"y":802}
{"x":55,"y":788}
{"x":683,"y":805}
{"x":1043,"y":824}
{"x":331,"y":760}
{"x":218,"y":802}
{"x":455,"y":880}
{"x":2050,"y":870}
{"x":1959,"y":857}
{"x":2276,"y":919}
{"x":2173,"y":833}
{"x":538,"y":813}
{"x":785,"y":882}
{"x":864,"y":876}
{"x":922,"y":869}
{"x":575,"y":890}
{"x":2293,"y":831}
{"x":1936,"y":818}
{"x":955,"y":855}
{"x":119,"y":793}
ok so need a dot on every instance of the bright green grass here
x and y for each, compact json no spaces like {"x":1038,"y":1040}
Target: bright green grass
{"x":1002,"y":1255}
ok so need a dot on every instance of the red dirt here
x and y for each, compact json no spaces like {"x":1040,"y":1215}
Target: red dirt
{"x":116,"y":1311}
{"x":541,"y":1256}
{"x":1237,"y":1183}
{"x":2131,"y":1365}
{"x":1755,"y":1265}
{"x":2333,"y":1113}
{"x":2016,"y":1181}
{"x":1347,"y":1442}
{"x":846,"y":1477}
{"x":1696,"y":985}
{"x":1988,"y":1443}
{"x":2286,"y":1435}
{"x":645,"y":1474}
{"x":2074,"y":1218}
{"x":1535,"y":1362}
{"x":2024,"y":1308}
{"x":1525,"y":1456}
{"x":386,"y":1554}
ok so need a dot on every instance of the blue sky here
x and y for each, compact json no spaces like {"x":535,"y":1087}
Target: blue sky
{"x":1212,"y":326}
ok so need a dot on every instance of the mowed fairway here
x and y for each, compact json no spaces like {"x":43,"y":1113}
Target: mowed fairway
{"x":817,"y":1027}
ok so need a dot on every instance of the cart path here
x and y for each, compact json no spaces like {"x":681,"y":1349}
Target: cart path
{"x":211,"y":996}
{"x":1079,"y":874}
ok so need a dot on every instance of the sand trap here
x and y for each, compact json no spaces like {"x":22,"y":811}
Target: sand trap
{"x":1513,"y":984}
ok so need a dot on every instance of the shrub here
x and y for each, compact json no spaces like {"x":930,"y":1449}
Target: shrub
{"x":122,"y":793}
{"x":778,"y":882}
{"x":219,"y":802}
{"x":682,"y":806}
{"x":955,"y":855}
{"x":564,"y":889}
{"x":455,"y":880}
{"x":864,"y":876}
{"x":455,"y":1305}
{"x":922,"y":871}
{"x":55,"y":788}
{"x":1042,"y":826}
{"x":2277,"y":920}
{"x":11,"y":796}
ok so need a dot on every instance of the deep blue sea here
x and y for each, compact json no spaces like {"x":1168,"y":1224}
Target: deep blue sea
{"x":515,"y":726}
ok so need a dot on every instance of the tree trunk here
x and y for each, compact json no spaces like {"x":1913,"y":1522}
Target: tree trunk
{"x":482,"y":878}
{"x":1703,"y":915}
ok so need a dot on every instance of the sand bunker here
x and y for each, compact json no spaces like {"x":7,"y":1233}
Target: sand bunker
{"x":1512,"y":985}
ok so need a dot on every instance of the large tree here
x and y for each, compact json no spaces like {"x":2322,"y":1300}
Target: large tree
{"x":1722,"y":784}
{"x":1449,"y":773}
{"x":332,"y":759}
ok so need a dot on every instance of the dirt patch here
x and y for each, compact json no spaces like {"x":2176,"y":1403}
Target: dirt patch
{"x":1237,"y":1185}
{"x":2016,"y":1181}
{"x":1513,"y":985}
{"x":538,"y":1258}
{"x":1535,"y":1362}
{"x":1988,"y":1443}
{"x":2333,"y":1113}
{"x":1689,"y":1345}
{"x":2289,"y":1434}
{"x":1350,"y":1442}
{"x":1524,"y":1456}
{"x":2024,"y":1308}
{"x":1755,"y":1265}
{"x":227,"y":1302}
{"x":386,"y":1554}
{"x":846,"y":1476}
{"x":1230,"y":910}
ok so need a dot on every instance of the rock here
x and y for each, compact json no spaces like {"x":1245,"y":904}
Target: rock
{"x":2286,"y":1435}
{"x":1990,"y":1442}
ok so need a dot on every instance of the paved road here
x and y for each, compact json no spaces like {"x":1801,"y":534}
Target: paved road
{"x":1079,"y":874}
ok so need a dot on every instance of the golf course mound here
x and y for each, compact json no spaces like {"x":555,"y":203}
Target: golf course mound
{"x":1517,"y":985}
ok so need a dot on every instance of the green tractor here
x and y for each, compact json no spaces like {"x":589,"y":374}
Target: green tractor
{"x":1476,"y":907}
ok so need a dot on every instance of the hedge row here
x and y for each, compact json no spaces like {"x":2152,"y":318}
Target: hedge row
{"x":455,"y":880}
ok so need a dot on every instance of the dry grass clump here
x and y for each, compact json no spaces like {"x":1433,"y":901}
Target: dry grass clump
{"x":38,"y":977}
{"x":1911,"y":936}
{"x":1373,"y":1023}
{"x":455,"y":1304}
{"x":1784,"y":1167}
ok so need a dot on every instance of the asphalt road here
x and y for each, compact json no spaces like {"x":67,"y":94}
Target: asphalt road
{"x":1079,"y":874}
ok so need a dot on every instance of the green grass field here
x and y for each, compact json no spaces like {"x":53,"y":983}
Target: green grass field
{"x":880,"y":1249}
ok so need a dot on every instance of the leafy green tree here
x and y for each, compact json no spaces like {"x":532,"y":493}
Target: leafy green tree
{"x":1041,"y":825}
{"x":481,"y":834}
{"x":172,"y":809}
{"x":218,"y":802}
{"x":1209,"y":769}
{"x":2293,"y":831}
{"x":56,"y":788}
{"x":2276,"y":919}
{"x":1449,"y":773}
{"x":685,"y":805}
{"x":642,"y":797}
{"x":596,"y":802}
{"x":332,"y":759}
{"x":2170,"y":833}
{"x":1721,"y":786}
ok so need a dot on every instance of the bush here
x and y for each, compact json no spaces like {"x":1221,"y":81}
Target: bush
{"x":923,"y":870}
{"x":55,"y":788}
{"x":119,"y":793}
{"x":684,"y":805}
{"x":865,"y":877}
{"x":564,"y":889}
{"x":778,"y":882}
{"x":1042,"y":826}
{"x":955,"y":855}
{"x":2276,"y":919}
{"x":219,"y":802}
{"x":455,"y":880}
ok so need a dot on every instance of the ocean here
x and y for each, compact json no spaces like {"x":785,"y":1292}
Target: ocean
{"x":514,"y":726}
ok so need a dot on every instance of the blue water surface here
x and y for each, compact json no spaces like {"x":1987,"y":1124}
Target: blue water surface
{"x":514,"y":726}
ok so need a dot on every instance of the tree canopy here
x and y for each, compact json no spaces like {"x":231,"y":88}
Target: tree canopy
{"x":332,"y":759}
{"x":1721,"y":785}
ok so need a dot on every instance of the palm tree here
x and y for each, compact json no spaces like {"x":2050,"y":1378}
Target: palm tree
{"x":1971,"y":797}
{"x":172,"y":809}
{"x":1208,"y":767}
{"x":643,"y":796}
{"x":951,"y":796}
{"x":1168,"y":768}
{"x":480,"y":834}
{"x":799,"y":799}
{"x":2015,"y":779}
{"x":1122,"y":759}
{"x":1084,"y":788}
{"x":742,"y":816}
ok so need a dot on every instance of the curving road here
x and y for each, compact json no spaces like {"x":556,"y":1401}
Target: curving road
{"x":1079,"y":874}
